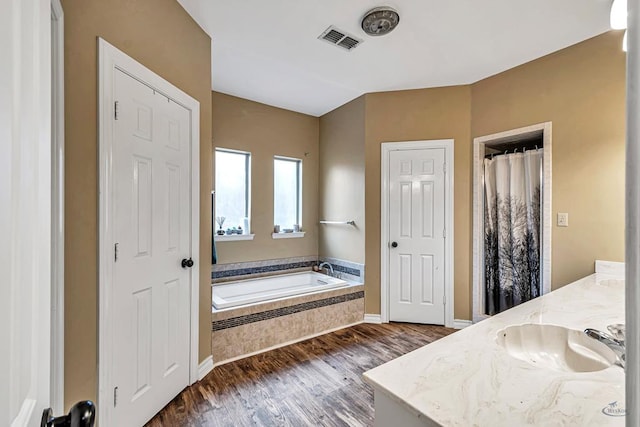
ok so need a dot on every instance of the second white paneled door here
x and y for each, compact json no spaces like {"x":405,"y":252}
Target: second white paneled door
{"x":417,"y":236}
{"x":152,"y":184}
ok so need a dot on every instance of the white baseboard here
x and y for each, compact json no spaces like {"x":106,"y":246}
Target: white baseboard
{"x":372,"y":318}
{"x":205,"y":367}
{"x":284,"y":344}
{"x":461,"y":324}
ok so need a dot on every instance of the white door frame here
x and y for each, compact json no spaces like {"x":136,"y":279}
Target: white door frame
{"x":25,"y":217}
{"x":479,"y":144}
{"x":386,"y":148}
{"x":110,"y":60}
{"x":57,"y":208}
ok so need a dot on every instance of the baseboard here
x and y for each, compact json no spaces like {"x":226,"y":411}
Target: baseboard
{"x":284,"y":344}
{"x":461,"y":324}
{"x":205,"y":367}
{"x":372,"y":318}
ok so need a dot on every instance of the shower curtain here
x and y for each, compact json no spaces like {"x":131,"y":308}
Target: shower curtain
{"x":512,"y":229}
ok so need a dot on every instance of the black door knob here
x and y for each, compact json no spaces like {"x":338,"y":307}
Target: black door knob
{"x":394,"y":244}
{"x":187,"y":263}
{"x":82,"y":414}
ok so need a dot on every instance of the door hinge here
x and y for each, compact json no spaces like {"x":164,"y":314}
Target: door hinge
{"x":444,"y":167}
{"x":444,"y":233}
{"x":444,"y":300}
{"x":115,"y":252}
{"x":115,"y":110}
{"x":115,"y":396}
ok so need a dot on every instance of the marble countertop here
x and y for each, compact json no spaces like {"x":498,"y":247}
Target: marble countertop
{"x":467,"y":379}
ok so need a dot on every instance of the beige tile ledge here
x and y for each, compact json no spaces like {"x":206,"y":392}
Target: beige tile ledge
{"x":284,"y":302}
{"x":467,"y":379}
{"x":245,"y":340}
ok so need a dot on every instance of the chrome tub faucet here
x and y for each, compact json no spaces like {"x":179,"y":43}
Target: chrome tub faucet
{"x":329,"y":268}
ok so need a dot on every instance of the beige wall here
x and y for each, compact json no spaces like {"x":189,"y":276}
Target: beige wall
{"x":160,"y":35}
{"x":441,"y":113}
{"x":581,"y":90}
{"x":266,"y":131}
{"x":342,"y":180}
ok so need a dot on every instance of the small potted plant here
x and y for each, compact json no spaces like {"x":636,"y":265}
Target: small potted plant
{"x":220,"y":221}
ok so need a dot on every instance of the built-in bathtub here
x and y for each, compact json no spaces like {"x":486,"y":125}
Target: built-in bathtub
{"x":251,"y":291}
{"x":254,"y":315}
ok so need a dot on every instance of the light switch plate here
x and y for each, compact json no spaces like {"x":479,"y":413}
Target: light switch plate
{"x":563,"y":219}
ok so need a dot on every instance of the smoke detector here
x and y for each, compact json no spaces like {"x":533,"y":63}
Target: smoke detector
{"x":380,"y":21}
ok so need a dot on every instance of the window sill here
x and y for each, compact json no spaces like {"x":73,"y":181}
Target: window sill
{"x":233,"y":237}
{"x":294,"y":235}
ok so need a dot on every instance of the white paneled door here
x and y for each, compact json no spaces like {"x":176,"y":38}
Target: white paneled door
{"x":417,"y":236}
{"x":151,"y":164}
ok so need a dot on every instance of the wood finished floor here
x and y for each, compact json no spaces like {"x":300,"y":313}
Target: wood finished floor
{"x":317,"y":382}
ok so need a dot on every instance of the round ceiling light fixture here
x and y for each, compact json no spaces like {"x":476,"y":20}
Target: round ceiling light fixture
{"x":380,"y":21}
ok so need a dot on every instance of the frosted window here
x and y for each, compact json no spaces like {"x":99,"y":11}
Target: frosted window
{"x":287,"y":193}
{"x":232,"y":188}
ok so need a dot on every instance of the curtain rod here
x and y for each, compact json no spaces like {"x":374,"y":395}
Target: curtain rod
{"x":515,"y":150}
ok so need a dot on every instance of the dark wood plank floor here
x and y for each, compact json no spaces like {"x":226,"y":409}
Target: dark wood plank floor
{"x":317,"y":382}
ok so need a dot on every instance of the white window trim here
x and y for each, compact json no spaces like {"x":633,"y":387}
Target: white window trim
{"x":248,"y":196}
{"x":233,"y":237}
{"x":299,"y":196}
{"x":283,"y":235}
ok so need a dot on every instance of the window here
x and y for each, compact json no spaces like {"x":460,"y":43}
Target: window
{"x":287,"y":192}
{"x":232,"y":188}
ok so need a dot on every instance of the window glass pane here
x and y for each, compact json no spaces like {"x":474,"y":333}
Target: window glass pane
{"x":286,"y":197}
{"x":232,"y":198}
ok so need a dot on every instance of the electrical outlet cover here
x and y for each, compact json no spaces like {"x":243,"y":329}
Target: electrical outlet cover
{"x":563,"y":219}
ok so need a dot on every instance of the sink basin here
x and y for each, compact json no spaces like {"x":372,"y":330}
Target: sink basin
{"x":555,"y":347}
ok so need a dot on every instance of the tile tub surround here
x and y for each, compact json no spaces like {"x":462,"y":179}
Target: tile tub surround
{"x":347,"y":269}
{"x":247,"y":270}
{"x":241,"y":331}
{"x":468,"y":379}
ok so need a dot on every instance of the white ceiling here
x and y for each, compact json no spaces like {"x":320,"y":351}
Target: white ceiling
{"x":268,"y":51}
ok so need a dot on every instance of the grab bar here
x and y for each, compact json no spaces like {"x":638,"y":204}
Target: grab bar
{"x":339,"y":222}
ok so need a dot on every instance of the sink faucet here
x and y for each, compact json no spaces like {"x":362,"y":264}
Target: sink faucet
{"x":615,"y":342}
{"x":329,"y":268}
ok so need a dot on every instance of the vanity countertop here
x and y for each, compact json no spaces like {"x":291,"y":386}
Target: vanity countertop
{"x":467,"y":379}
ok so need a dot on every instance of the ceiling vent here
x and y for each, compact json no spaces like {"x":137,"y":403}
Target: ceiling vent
{"x":339,"y":38}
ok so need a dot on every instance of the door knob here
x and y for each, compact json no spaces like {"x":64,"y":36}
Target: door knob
{"x":187,"y":263}
{"x":82,"y":414}
{"x":394,"y":244}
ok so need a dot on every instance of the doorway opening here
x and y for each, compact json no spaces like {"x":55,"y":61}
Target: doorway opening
{"x":511,"y":218}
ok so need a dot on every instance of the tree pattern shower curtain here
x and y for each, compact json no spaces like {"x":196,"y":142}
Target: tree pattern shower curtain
{"x":512,"y":229}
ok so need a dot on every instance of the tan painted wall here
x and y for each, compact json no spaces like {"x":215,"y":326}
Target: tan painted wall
{"x":341,"y":177}
{"x":441,"y":113}
{"x":580,"y":89}
{"x":160,"y":35}
{"x":267,"y":131}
